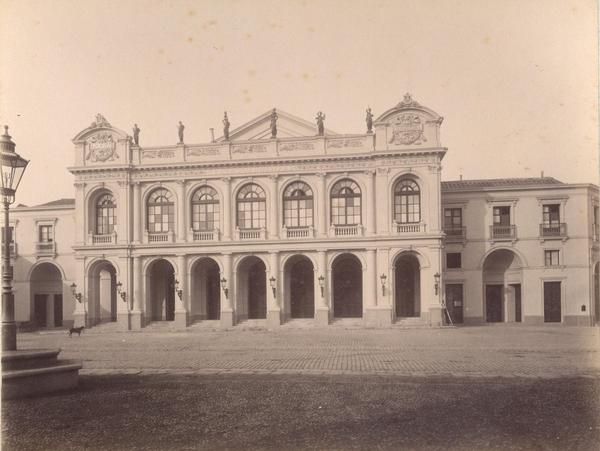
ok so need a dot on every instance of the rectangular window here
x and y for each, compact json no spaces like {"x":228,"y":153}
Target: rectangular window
{"x":551,"y":258}
{"x":502,"y":216}
{"x":45,"y":234}
{"x":452,"y":218}
{"x":551,"y":215}
{"x":453,"y":260}
{"x":11,"y":235}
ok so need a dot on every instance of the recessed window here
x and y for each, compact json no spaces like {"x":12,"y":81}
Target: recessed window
{"x":105,"y":215}
{"x":452,"y":218}
{"x":407,"y":202}
{"x":205,"y":209}
{"x":453,"y":260}
{"x":251,"y":207}
{"x":345,"y":203}
{"x":551,"y":215}
{"x":161,"y":211}
{"x":502,"y":216}
{"x":551,"y":258}
{"x":298,"y":205}
{"x":45,"y":234}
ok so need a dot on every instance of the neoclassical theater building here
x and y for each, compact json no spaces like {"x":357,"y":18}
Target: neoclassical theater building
{"x":281,"y":219}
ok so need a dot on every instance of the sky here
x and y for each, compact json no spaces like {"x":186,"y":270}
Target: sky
{"x":516,"y":80}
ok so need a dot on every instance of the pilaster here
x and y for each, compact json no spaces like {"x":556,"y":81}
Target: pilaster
{"x":321,"y":204}
{"x":273,"y":308}
{"x":227,"y":202}
{"x":273,"y":208}
{"x":181,"y":204}
{"x":181,"y":312}
{"x":227,"y":319}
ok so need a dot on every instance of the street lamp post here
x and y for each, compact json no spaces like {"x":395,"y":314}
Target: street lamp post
{"x":13,"y":167}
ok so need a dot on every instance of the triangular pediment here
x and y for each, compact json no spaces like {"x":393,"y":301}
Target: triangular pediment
{"x":288,"y":126}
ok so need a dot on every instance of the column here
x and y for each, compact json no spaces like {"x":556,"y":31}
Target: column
{"x":123,"y":220}
{"x":371,"y":280}
{"x":181,"y":312}
{"x":273,"y":209}
{"x":226,"y":206}
{"x":80,"y":317}
{"x":137,"y":293}
{"x":81,"y":230}
{"x":227,"y":293}
{"x":181,"y":207}
{"x":273,"y":308}
{"x":427,"y":280}
{"x":123,"y":304}
{"x":371,"y":199}
{"x":322,"y":304}
{"x":137,"y":211}
{"x":383,"y":216}
{"x":321,"y":205}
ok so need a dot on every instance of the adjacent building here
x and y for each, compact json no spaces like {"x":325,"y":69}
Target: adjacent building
{"x":281,"y":219}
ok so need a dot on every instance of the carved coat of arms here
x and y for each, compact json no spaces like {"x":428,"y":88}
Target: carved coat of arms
{"x":408,"y":129}
{"x":101,"y":147}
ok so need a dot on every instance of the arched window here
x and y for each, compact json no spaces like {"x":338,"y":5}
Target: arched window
{"x":407,"y":202}
{"x":298,"y":205}
{"x":105,"y":214}
{"x":345,"y":203}
{"x":161,"y":211}
{"x":205,"y":209}
{"x":251,"y":207}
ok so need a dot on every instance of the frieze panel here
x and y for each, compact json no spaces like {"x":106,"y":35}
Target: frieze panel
{"x":101,"y":147}
{"x":248,"y":148}
{"x":203,"y":151}
{"x":165,"y":153}
{"x":294,"y":146}
{"x":345,"y":143}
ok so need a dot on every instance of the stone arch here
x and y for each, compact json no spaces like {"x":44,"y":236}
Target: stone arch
{"x":101,"y":286}
{"x":423,"y":258}
{"x":406,"y":284}
{"x":160,"y":289}
{"x":251,"y":287}
{"x":298,"y":286}
{"x":516,"y":251}
{"x":347,"y":274}
{"x":502,"y":280}
{"x":46,"y":288}
{"x":205,"y":289}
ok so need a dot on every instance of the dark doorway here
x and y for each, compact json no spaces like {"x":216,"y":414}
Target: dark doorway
{"x":518,"y":310}
{"x":257,"y":291}
{"x":407,"y":275}
{"x":302,"y":294}
{"x":39,"y":310}
{"x":58,"y":310}
{"x":454,"y":302}
{"x":162,"y":291}
{"x":347,"y":287}
{"x":552,"y":301}
{"x":493,"y":303}
{"x":213,"y":293}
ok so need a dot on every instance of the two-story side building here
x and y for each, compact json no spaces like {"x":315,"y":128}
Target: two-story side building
{"x":280,"y":219}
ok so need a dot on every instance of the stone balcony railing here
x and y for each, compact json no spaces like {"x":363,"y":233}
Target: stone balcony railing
{"x":409,"y":228}
{"x":158,"y":237}
{"x":45,"y":249}
{"x":346,"y":230}
{"x":550,"y":231}
{"x":456,"y":234}
{"x":297,"y":232}
{"x":109,"y":238}
{"x":250,"y":234}
{"x":205,"y":235}
{"x":503,"y":232}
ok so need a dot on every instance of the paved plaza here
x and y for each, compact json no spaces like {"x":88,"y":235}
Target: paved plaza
{"x":486,"y":351}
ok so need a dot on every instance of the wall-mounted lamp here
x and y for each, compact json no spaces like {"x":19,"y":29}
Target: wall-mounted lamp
{"x":436,"y":277}
{"x":178,"y":290}
{"x":122,"y":293}
{"x":224,"y":287}
{"x":383,"y":278}
{"x":273,"y":283}
{"x":322,"y":284}
{"x":76,"y":295}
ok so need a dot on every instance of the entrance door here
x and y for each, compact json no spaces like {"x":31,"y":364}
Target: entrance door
{"x":552,"y":301}
{"x":170,"y":298}
{"x":347,"y":288}
{"x":257,"y":291}
{"x":454,"y":302}
{"x":493,"y":303}
{"x":58,"y":310}
{"x":518,"y":310}
{"x":302,"y":290}
{"x":39,"y":310}
{"x":213,"y":294}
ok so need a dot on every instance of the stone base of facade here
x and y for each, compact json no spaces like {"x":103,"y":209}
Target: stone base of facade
{"x":533,"y":320}
{"x":182,"y":319}
{"x":227,"y":318}
{"x":273,"y":319}
{"x":436,"y":318}
{"x":378,"y":317}
{"x":123,"y":320}
{"x":473,"y":321}
{"x":322,"y":317}
{"x":80,"y":319}
{"x":577,"y":320}
{"x":136,"y":321}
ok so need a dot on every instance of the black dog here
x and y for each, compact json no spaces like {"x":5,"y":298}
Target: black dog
{"x":76,"y":330}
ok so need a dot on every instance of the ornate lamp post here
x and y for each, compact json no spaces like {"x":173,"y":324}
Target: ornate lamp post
{"x":13,"y":167}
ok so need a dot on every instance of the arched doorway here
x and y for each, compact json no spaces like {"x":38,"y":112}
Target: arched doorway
{"x":300,"y":287}
{"x":347,"y":287}
{"x":597,"y":292}
{"x":160,"y":291}
{"x":502,"y":287}
{"x":102,"y":293}
{"x":206,"y":290}
{"x":252,"y":289}
{"x":407,"y":277}
{"x":46,"y":296}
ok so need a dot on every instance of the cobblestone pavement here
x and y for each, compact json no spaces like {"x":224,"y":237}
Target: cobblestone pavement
{"x":487,"y":351}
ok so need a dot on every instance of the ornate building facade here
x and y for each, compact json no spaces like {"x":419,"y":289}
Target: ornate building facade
{"x":280,"y":219}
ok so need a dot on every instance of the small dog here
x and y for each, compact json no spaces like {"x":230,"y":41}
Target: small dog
{"x":76,"y":330}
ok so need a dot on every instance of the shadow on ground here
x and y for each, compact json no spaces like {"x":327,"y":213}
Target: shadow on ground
{"x":307,"y":412}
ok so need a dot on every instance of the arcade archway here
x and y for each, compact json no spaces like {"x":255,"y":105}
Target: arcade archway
{"x":347,"y":287}
{"x":502,"y":287}
{"x":102,"y":293}
{"x":252,"y":289}
{"x":160,"y":291}
{"x":407,"y":288}
{"x":299,"y":282}
{"x":206,"y":290}
{"x":46,"y":296}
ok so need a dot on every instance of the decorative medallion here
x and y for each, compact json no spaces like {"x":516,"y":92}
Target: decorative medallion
{"x":408,"y":129}
{"x":101,"y":147}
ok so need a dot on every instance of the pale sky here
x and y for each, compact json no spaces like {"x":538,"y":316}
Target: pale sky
{"x":516,"y":80}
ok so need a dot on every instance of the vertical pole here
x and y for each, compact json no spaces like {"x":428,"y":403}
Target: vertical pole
{"x":9,"y":328}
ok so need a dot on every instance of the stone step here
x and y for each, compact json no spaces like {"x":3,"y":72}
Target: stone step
{"x":62,"y":375}
{"x":28,"y":359}
{"x":260,"y":324}
{"x":411,"y":323}
{"x":206,"y":324}
{"x":348,"y":323}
